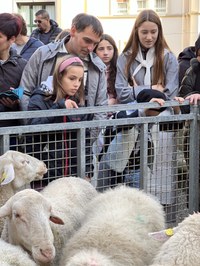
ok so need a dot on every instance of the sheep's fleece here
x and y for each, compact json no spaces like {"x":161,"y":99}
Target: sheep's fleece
{"x":42,"y":222}
{"x":182,"y":248}
{"x":17,"y":170}
{"x":116,"y":229}
{"x":11,"y":255}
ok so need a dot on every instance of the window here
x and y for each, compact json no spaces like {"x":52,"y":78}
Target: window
{"x":141,"y":5}
{"x":28,"y":12}
{"x":133,"y":7}
{"x":160,"y":6}
{"x":120,"y":7}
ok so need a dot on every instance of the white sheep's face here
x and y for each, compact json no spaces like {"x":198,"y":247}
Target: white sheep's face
{"x":20,"y":168}
{"x":28,"y":215}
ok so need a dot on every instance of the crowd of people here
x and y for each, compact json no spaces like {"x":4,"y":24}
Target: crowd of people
{"x":81,"y":67}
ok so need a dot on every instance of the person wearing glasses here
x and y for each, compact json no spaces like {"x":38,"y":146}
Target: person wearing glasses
{"x":47,"y":29}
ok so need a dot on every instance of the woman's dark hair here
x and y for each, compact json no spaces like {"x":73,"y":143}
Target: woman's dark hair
{"x":24,"y":27}
{"x":160,"y":45}
{"x":113,"y":63}
{"x":10,"y":25}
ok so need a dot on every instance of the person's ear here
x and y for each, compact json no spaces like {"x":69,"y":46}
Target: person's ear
{"x":72,"y":31}
{"x":12,"y":40}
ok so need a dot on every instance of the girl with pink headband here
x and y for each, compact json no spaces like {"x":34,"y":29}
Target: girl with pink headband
{"x":64,"y":91}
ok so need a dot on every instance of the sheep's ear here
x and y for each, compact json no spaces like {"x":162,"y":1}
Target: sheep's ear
{"x":163,"y":235}
{"x":56,"y":220}
{"x":6,"y":209}
{"x":7,"y":175}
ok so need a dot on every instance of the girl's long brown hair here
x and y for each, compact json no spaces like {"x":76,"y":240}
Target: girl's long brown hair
{"x":58,"y":92}
{"x":113,"y":63}
{"x":160,"y":45}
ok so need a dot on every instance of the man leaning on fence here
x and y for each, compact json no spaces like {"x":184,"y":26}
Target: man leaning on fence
{"x":85,"y":33}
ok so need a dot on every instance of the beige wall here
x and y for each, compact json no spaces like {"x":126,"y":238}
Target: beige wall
{"x":181,"y":24}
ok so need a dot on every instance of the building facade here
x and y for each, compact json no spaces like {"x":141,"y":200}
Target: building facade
{"x":180,"y":18}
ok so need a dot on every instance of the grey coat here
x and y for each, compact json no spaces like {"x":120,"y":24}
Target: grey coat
{"x":125,"y":92}
{"x":42,"y":63}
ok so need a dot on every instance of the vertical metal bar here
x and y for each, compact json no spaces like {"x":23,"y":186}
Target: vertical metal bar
{"x":143,"y":156}
{"x":81,"y":152}
{"x":4,"y":143}
{"x":194,"y":161}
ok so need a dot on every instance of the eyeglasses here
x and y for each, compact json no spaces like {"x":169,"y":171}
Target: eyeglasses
{"x":38,"y":21}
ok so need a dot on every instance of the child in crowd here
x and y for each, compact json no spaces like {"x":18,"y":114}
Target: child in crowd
{"x":65,"y":90}
{"x":108,"y":52}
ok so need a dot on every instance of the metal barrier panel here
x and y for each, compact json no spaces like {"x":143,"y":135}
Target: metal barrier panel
{"x":159,"y":154}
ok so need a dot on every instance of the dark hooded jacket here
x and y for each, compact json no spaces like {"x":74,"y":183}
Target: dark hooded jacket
{"x":58,"y":142}
{"x":184,"y":58}
{"x":10,"y":75}
{"x":184,"y":61}
{"x":54,"y":31}
{"x":191,"y":80}
{"x":189,"y":85}
{"x":30,"y":47}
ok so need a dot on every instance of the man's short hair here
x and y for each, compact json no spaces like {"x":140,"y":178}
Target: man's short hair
{"x":43,"y":13}
{"x":82,"y":21}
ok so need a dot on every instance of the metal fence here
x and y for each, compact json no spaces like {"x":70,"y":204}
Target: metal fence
{"x":159,"y":154}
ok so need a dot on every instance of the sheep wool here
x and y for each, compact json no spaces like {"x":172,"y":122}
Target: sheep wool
{"x":51,"y":216}
{"x":14,"y":255}
{"x":20,"y":169}
{"x":182,"y":249}
{"x":116,"y":229}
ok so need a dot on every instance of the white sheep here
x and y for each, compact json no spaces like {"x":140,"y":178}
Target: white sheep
{"x":90,"y":257}
{"x":16,"y":170}
{"x":14,"y":255}
{"x":116,"y":228}
{"x":63,"y":202}
{"x":182,"y":248}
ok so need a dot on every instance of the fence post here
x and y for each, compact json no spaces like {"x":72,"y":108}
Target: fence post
{"x":81,"y":152}
{"x":4,"y":143}
{"x":194,"y":161}
{"x":143,"y":156}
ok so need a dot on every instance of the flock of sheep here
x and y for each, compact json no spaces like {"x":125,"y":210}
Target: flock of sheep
{"x":69,"y":223}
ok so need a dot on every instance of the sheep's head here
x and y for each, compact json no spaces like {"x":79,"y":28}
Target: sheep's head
{"x":28,"y":219}
{"x":20,"y":169}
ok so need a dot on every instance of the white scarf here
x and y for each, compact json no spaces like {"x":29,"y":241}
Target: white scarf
{"x":148,"y":63}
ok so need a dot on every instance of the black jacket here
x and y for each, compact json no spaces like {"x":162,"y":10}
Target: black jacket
{"x":10,"y":75}
{"x":59,"y":141}
{"x":184,"y":61}
{"x":30,"y":47}
{"x":188,"y":85}
{"x":54,"y":31}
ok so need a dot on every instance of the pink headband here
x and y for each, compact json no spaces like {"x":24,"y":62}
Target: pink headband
{"x":68,"y":62}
